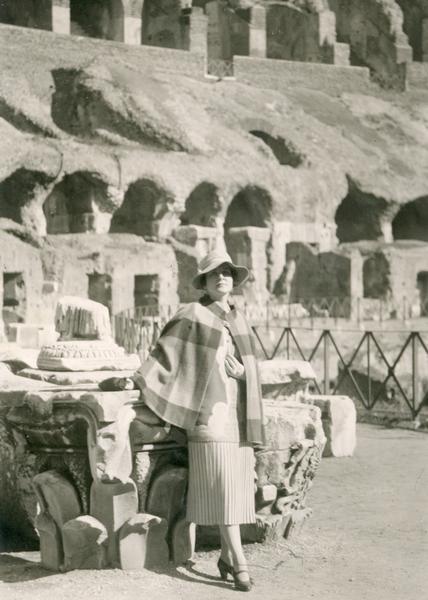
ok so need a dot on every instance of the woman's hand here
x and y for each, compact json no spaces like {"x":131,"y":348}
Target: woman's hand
{"x":233,"y":367}
{"x":116,"y":384}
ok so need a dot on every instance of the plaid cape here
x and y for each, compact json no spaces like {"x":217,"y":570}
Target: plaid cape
{"x":174,"y":379}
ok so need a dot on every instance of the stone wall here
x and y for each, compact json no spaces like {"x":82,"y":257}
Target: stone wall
{"x":78,"y":49}
{"x":85,"y":266}
{"x":294,"y":33}
{"x":374,"y":30}
{"x":281,"y":75}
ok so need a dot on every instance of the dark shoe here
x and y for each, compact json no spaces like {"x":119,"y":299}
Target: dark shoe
{"x":242,"y":586}
{"x":224,"y":569}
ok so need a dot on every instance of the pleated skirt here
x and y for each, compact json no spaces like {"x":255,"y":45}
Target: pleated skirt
{"x":221,"y":483}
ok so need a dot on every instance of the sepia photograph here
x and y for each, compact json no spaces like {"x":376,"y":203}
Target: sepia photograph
{"x":214,"y":326}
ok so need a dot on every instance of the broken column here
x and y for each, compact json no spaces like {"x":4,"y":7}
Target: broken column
{"x":85,"y":342}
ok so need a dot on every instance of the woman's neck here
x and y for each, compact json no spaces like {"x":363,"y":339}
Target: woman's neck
{"x":224,"y":303}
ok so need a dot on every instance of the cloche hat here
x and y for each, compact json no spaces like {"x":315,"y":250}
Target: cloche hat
{"x":213,"y":260}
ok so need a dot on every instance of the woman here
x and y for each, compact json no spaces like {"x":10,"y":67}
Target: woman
{"x":202,"y":376}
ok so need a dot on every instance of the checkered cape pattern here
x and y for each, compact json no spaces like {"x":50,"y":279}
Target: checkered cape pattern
{"x":174,"y":378}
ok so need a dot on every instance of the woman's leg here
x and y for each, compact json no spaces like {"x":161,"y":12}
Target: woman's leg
{"x":232,"y":537}
{"x":225,"y":554}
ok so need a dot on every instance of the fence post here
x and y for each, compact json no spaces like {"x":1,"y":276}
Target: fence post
{"x":369,"y":381}
{"x":415,"y":374}
{"x":326,"y":362}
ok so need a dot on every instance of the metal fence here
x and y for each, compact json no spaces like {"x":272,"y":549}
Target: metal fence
{"x":383,"y":369}
{"x":219,"y":68}
{"x":387,"y":377}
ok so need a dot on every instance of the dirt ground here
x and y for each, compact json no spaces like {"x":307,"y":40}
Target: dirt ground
{"x":367,"y":539}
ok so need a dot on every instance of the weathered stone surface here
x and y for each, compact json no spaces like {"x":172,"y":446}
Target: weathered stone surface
{"x":113,"y":504}
{"x":283,"y":378}
{"x":57,"y":497}
{"x":89,"y":355}
{"x":85,"y":544}
{"x":51,"y":549}
{"x":142,"y":542}
{"x":58,"y":503}
{"x":71,"y":377}
{"x":339,"y":418}
{"x":183,"y":540}
{"x":167,"y":493}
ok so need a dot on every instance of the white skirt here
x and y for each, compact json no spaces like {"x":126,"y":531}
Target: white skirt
{"x":221,"y":483}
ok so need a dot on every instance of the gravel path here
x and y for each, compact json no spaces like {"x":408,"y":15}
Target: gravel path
{"x":367,"y":540}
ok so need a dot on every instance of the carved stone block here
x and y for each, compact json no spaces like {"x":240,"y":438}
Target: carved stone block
{"x":85,"y":546}
{"x":113,"y":504}
{"x":51,"y":549}
{"x":339,"y":419}
{"x":183,"y":537}
{"x":142,"y":542}
{"x":57,"y":497}
{"x":167,"y":493}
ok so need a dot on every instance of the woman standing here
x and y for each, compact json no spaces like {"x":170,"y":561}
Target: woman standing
{"x":202,"y":376}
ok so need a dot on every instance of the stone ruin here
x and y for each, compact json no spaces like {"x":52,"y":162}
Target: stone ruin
{"x":109,"y":478}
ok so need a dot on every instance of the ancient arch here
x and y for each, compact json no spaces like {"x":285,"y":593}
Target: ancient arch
{"x":19,"y":190}
{"x":251,"y":207}
{"x":203,"y":206}
{"x":77,"y":204}
{"x":102,"y":19}
{"x":162,"y":23}
{"x":27,"y":13}
{"x":411,"y":221}
{"x":145,"y":211}
{"x":415,"y":25}
{"x":360,"y":216}
{"x":284,"y":152}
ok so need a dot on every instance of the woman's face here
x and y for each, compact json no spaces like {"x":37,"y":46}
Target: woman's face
{"x":219,"y":282}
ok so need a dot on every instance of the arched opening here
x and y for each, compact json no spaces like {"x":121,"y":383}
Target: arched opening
{"x":103,"y":19}
{"x":18,"y":190}
{"x":284,"y":152}
{"x":411,"y":221}
{"x":415,"y":12}
{"x":360,"y":216}
{"x":143,"y":211}
{"x":162,"y":23}
{"x":251,"y":207}
{"x":248,"y":237}
{"x":36,"y":14}
{"x":202,"y":206}
{"x":376,"y":276}
{"x":74,"y":203}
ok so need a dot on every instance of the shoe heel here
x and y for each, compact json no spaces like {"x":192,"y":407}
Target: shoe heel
{"x":224,"y":569}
